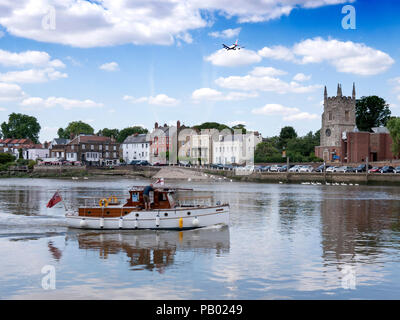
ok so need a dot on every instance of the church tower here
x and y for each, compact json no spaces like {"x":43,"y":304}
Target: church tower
{"x":338,"y":117}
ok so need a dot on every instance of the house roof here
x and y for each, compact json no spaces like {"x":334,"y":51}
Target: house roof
{"x":91,"y":139}
{"x":60,"y":141}
{"x":16,"y":141}
{"x":139,"y":138}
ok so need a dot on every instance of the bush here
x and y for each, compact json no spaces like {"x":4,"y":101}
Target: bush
{"x":6,"y":158}
{"x":31,"y":164}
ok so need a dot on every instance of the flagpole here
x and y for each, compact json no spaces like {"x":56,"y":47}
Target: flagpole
{"x":65,"y":206}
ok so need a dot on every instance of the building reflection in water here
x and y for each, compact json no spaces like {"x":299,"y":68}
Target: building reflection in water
{"x":152,"y":250}
{"x":358,"y":230}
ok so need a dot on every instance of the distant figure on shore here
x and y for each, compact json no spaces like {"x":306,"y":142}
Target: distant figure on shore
{"x":146,"y":196}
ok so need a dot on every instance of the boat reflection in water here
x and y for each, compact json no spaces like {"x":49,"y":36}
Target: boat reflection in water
{"x":152,"y":250}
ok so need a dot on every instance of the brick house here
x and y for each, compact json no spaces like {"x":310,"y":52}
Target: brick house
{"x":57,"y":148}
{"x":93,"y":150}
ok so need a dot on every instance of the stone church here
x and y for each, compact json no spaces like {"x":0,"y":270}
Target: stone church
{"x":340,"y":140}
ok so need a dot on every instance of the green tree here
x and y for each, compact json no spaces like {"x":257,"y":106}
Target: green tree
{"x":265,"y":151}
{"x":108,"y":133}
{"x":124,"y":133}
{"x":240,"y":127}
{"x":371,"y":111}
{"x":285,"y":135}
{"x":21,"y":126}
{"x":393,"y":126}
{"x":212,"y":125}
{"x":75,"y":128}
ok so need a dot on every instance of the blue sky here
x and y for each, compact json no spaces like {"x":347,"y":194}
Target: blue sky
{"x":121,"y":63}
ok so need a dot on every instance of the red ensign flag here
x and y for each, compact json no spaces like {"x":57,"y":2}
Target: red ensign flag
{"x":53,"y":201}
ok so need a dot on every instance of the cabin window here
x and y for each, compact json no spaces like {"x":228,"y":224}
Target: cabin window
{"x":89,"y":212}
{"x":108,"y":212}
{"x":137,"y":214}
{"x":166,"y":214}
{"x":188,"y":213}
{"x":135,"y":196}
{"x":126,"y":212}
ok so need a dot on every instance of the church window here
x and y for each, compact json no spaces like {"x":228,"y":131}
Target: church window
{"x":330,"y":115}
{"x":347,"y":115}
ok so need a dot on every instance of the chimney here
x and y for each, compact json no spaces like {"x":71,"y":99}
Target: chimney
{"x":156,"y":125}
{"x":178,"y":125}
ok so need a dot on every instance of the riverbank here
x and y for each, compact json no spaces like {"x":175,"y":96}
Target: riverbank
{"x":206,"y":174}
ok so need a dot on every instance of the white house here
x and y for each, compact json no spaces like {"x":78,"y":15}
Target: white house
{"x":36,"y":152}
{"x":136,"y":147}
{"x":237,"y":148}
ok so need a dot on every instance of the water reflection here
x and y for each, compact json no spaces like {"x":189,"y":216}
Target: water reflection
{"x":152,"y":250}
{"x":358,"y":230}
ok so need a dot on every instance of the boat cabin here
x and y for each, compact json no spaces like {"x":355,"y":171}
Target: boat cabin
{"x":160,"y":198}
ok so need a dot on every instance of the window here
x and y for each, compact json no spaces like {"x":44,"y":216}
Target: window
{"x":115,"y":147}
{"x":83,"y":146}
{"x":92,"y":147}
{"x":347,"y":115}
{"x":100,"y":147}
{"x":107,"y":147}
{"x":72,"y":147}
{"x":330,"y":115}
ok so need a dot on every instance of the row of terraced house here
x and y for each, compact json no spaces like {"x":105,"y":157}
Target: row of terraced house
{"x":164,"y":144}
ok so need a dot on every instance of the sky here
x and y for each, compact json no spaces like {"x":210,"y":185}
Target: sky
{"x":120,"y":63}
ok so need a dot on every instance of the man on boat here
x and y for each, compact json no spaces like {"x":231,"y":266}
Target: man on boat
{"x":146,"y":196}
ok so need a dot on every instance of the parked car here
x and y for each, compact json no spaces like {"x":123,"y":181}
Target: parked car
{"x":387,"y":169}
{"x":295,"y":168}
{"x":344,"y":169}
{"x":274,"y":168}
{"x":265,"y":168}
{"x":306,"y":168}
{"x":374,"y":169}
{"x":284,"y":168}
{"x":332,"y":169}
{"x":362,"y":168}
{"x":397,"y":170}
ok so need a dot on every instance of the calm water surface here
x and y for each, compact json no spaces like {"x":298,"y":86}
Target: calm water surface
{"x":284,"y":242}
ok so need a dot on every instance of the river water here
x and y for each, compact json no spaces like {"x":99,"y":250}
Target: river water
{"x":283,"y":242}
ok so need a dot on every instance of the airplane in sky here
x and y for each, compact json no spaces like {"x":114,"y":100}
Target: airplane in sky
{"x":232,"y":47}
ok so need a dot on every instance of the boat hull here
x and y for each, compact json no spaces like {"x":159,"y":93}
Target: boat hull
{"x":174,"y":219}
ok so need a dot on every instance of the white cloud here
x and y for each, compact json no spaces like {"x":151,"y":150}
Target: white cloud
{"x":110,"y":22}
{"x":110,"y":66}
{"x":32,"y":75}
{"x":215,"y":95}
{"x":266,"y":71}
{"x":345,"y":56}
{"x":233,"y":58}
{"x":10,"y":92}
{"x":227,"y":33}
{"x":288,"y":114}
{"x":67,"y":104}
{"x":159,"y":100}
{"x":28,"y":58}
{"x":301,"y":77}
{"x":264,"y":83}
